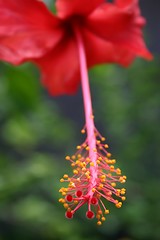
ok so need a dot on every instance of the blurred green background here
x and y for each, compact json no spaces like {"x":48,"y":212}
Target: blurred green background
{"x":37,"y":131}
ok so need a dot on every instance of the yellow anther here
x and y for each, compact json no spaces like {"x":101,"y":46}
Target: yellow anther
{"x":100,"y":147}
{"x":73,"y":157}
{"x":100,"y":212}
{"x":75,"y":171}
{"x":99,"y":223}
{"x":98,"y":162}
{"x":124,"y":177}
{"x":77,"y":162}
{"x":98,"y":142}
{"x":78,"y":147}
{"x":98,"y":216}
{"x":79,"y":155}
{"x":118,"y":205}
{"x":113,"y":161}
{"x":73,"y":164}
{"x":67,"y":158}
{"x":100,"y":185}
{"x":103,"y":219}
{"x":118,"y":171}
{"x":102,"y":176}
{"x":103,"y":180}
{"x":84,"y":164}
{"x":61,"y":180}
{"x":84,"y":145}
{"x":63,"y":193}
{"x":106,"y":211}
{"x":65,"y":205}
{"x":82,"y":131}
{"x":65,"y":176}
{"x":83,"y":169}
{"x":78,"y":180}
{"x":92,"y":164}
{"x":71,"y":184}
{"x":87,"y":148}
{"x":123,"y":198}
{"x":122,"y":180}
{"x":60,"y":200}
{"x":88,"y":159}
{"x":94,"y":150}
{"x":109,"y":154}
{"x":75,"y":202}
{"x":106,"y":146}
{"x":93,"y":189}
{"x":113,"y":184}
{"x":103,"y":139}
{"x":100,"y":158}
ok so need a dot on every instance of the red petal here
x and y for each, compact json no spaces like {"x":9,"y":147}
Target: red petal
{"x":60,"y":68}
{"x":67,"y":8}
{"x":27,"y":30}
{"x":121,"y":24}
{"x":99,"y":51}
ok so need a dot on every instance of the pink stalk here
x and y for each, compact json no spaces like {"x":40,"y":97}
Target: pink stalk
{"x":90,"y":127}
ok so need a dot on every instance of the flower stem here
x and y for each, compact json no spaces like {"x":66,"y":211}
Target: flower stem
{"x":89,"y":118}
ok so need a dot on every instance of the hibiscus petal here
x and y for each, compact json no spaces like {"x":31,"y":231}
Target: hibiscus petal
{"x":121,"y":24}
{"x":60,"y":68}
{"x":27,"y":30}
{"x":99,"y":51}
{"x":66,"y":8}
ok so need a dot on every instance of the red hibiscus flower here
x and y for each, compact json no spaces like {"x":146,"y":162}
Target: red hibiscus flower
{"x":111,"y":33}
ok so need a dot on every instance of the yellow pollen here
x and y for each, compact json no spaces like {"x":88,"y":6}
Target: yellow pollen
{"x":65,"y":205}
{"x":99,"y":223}
{"x":106,"y":211}
{"x":98,"y":216}
{"x":75,"y":171}
{"x":106,"y":146}
{"x":73,"y":157}
{"x":103,"y":139}
{"x":61,"y":180}
{"x":65,"y":176}
{"x":68,"y":158}
{"x":109,"y":154}
{"x":103,"y":219}
{"x":78,"y":147}
{"x":118,"y":205}
{"x":123,"y":198}
{"x":82,"y":131}
{"x":113,"y":184}
{"x":87,"y":148}
{"x":93,"y":189}
{"x":100,"y":212}
{"x":92,"y":164}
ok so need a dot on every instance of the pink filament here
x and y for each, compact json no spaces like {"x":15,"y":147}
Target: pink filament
{"x":90,"y":127}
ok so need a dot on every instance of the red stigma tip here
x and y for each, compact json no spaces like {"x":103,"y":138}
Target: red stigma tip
{"x":94,"y":201}
{"x":89,"y":214}
{"x":69,"y":198}
{"x":79,"y":193}
{"x":69,"y":214}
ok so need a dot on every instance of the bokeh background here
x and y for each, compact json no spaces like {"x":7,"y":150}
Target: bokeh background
{"x":37,"y":131}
